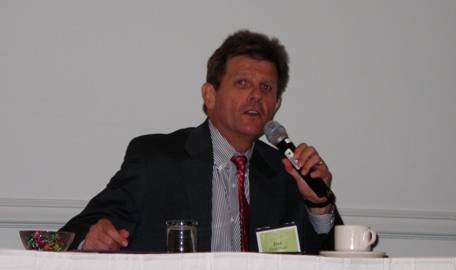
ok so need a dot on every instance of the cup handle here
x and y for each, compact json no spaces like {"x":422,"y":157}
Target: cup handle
{"x":373,"y":237}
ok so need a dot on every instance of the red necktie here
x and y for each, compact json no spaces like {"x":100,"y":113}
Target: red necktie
{"x":240,"y":161}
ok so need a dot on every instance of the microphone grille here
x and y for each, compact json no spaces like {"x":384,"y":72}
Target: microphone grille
{"x":275,"y":132}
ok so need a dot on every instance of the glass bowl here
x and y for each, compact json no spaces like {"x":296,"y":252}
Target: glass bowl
{"x":46,"y":240}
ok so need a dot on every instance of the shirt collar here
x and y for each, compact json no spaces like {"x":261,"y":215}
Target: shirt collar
{"x":223,"y":150}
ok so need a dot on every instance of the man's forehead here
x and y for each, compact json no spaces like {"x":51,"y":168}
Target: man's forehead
{"x":242,"y":66}
{"x":247,"y":59}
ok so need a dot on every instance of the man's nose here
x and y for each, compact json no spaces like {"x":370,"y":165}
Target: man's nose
{"x":255,"y":93}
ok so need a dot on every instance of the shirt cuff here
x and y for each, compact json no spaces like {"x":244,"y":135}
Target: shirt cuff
{"x":80,"y":245}
{"x":322,"y":223}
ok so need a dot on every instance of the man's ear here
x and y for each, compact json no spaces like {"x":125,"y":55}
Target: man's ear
{"x":208,"y":94}
{"x":277,"y":106}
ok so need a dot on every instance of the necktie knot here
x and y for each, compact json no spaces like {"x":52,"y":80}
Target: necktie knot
{"x":240,"y":162}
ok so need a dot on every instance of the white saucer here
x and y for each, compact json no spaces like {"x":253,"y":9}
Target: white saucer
{"x":353,"y":254}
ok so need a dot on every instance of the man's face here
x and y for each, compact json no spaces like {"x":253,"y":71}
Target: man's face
{"x":245,"y":100}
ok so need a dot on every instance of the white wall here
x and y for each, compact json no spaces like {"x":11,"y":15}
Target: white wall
{"x":372,"y":87}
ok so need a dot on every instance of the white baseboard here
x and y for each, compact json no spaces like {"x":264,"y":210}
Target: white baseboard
{"x":23,"y":213}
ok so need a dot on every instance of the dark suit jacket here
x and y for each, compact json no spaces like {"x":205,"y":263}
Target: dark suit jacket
{"x":166,"y":177}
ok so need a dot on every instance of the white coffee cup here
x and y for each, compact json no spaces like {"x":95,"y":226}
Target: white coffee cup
{"x":354,"y":238}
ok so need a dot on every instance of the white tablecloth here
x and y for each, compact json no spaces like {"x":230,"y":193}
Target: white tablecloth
{"x":22,"y":259}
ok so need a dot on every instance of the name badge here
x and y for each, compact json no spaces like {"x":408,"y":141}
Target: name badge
{"x":282,"y":239}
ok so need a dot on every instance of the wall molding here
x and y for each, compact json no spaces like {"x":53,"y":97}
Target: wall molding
{"x":41,"y":203}
{"x":397,"y":213}
{"x":405,"y":224}
{"x":22,"y":213}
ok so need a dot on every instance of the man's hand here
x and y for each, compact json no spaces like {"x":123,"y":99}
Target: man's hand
{"x":310,"y":162}
{"x":103,"y":236}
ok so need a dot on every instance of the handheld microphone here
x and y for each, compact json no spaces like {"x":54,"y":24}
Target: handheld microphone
{"x":277,"y":135}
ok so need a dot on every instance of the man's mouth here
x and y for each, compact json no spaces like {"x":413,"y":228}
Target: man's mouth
{"x":252,"y":113}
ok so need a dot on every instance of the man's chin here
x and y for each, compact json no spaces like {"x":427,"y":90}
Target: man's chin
{"x":252,"y":126}
{"x":254,"y":132}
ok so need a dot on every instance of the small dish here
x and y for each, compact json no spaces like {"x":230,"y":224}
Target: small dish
{"x":353,"y":254}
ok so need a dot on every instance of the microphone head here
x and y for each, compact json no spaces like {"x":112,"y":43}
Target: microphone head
{"x":275,"y":132}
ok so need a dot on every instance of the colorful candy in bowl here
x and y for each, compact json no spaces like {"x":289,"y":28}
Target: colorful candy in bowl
{"x":46,"y":240}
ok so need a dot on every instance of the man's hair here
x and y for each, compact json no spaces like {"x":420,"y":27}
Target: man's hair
{"x":255,"y":45}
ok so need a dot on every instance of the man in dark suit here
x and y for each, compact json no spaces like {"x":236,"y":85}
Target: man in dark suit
{"x":195,"y":173}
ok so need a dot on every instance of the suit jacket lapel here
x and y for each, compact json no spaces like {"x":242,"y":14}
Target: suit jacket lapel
{"x":197,"y":170}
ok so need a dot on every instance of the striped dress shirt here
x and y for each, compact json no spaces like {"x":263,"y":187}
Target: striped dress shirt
{"x":226,"y":234}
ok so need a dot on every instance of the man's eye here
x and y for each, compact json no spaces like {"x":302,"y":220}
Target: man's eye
{"x":242,"y":83}
{"x":266,"y":87}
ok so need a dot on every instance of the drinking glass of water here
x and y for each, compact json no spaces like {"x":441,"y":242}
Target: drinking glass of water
{"x":181,"y":236}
